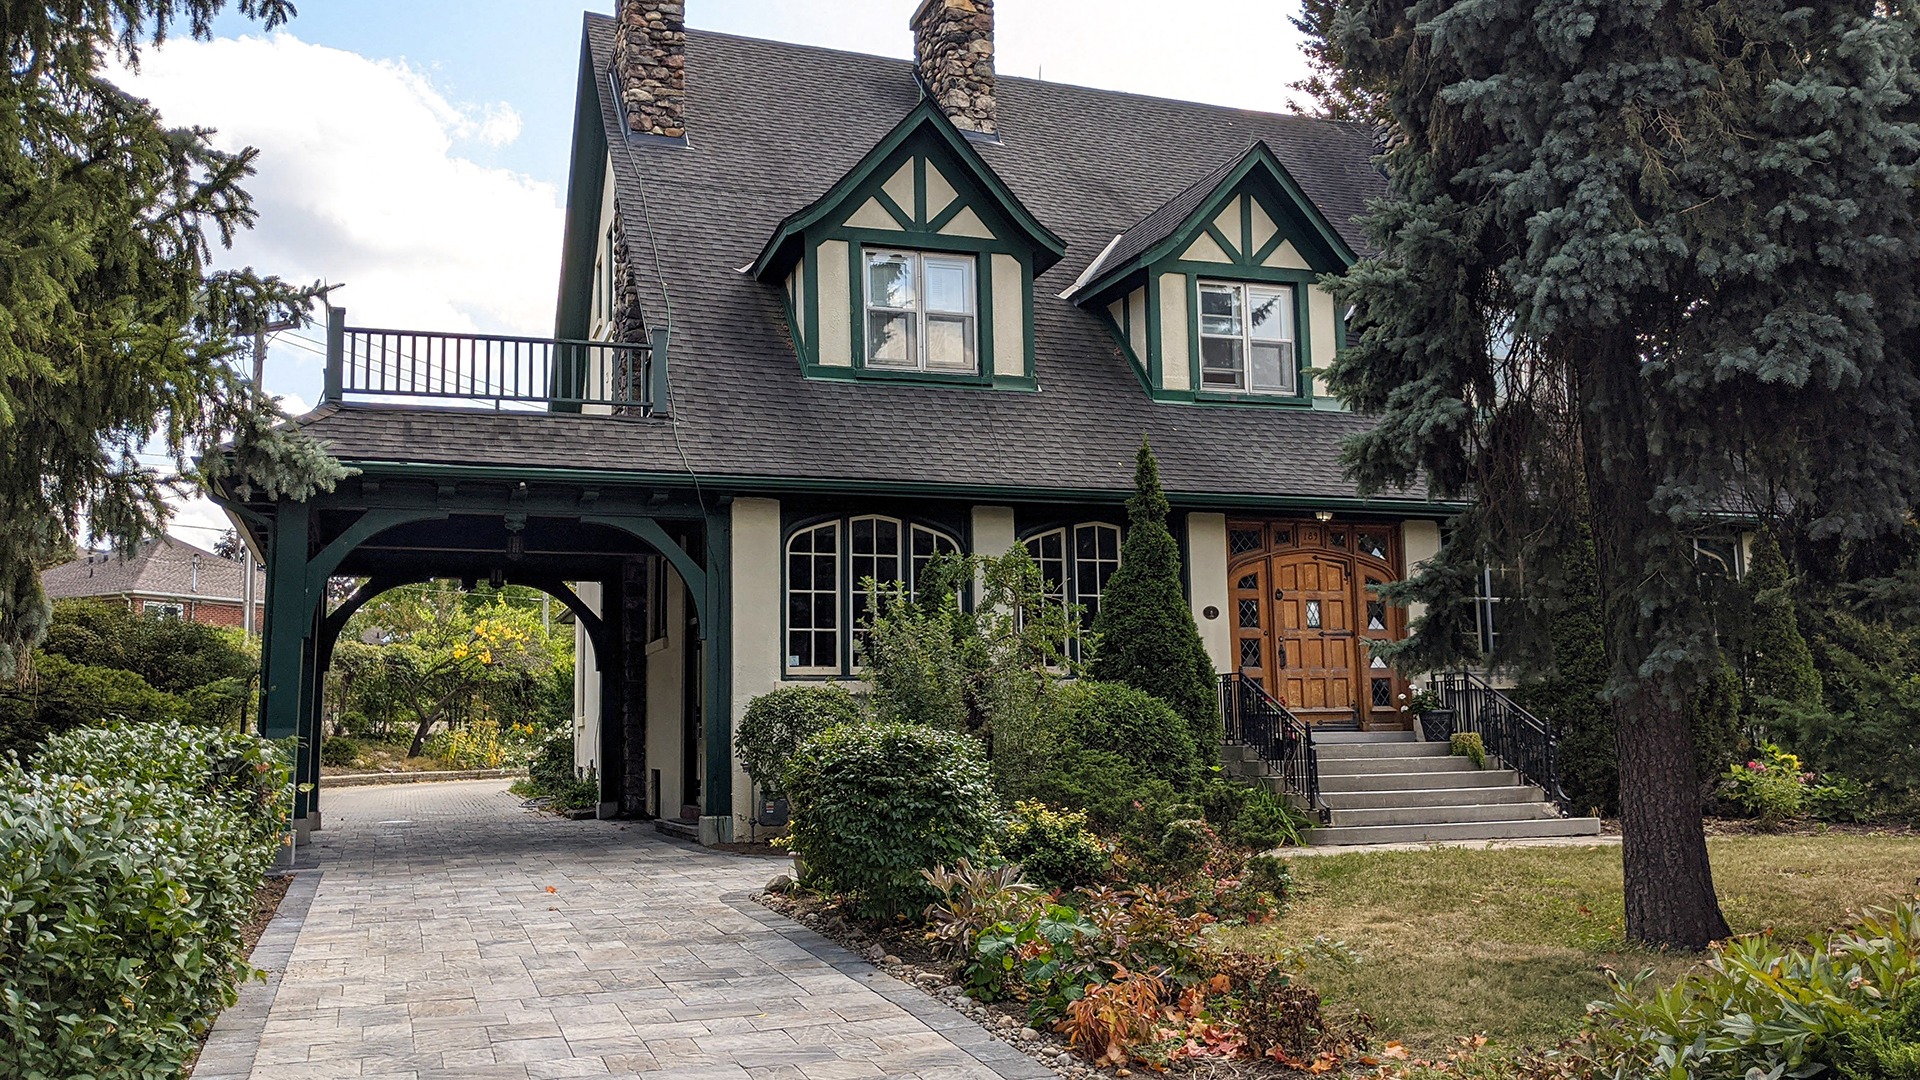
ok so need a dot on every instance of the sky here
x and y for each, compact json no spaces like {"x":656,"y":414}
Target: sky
{"x":416,"y":152}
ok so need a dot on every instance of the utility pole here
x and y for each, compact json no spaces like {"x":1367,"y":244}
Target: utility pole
{"x":247,"y":626}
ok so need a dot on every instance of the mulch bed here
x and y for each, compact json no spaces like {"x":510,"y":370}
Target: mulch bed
{"x":266,"y":903}
{"x":902,"y":953}
{"x":1744,"y":827}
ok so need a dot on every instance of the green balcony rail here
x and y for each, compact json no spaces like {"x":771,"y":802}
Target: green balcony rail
{"x":431,"y":368}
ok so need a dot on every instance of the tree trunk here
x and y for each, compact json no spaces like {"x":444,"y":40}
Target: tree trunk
{"x":1646,"y":578}
{"x":420,"y":731}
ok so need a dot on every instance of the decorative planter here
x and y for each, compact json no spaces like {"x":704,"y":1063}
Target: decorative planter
{"x":773,"y":812}
{"x":1436,"y":725}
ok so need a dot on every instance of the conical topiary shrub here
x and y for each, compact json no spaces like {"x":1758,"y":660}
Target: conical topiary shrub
{"x":1145,"y":626}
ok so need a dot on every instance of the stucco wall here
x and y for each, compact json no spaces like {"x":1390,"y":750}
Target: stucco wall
{"x":1207,"y":585}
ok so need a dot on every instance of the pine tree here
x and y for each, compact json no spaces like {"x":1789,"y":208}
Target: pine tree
{"x":1145,"y":628}
{"x":114,"y":330}
{"x":1779,"y":668}
{"x":1667,"y":249}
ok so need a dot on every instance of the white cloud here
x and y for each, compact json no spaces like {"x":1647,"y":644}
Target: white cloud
{"x":361,"y":180}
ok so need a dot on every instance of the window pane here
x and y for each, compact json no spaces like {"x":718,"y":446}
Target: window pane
{"x":889,"y":281}
{"x":949,"y":343}
{"x":947,"y":285}
{"x":1220,"y":362}
{"x":1270,"y":315}
{"x":1219,"y":310}
{"x":1273,"y":367}
{"x":890,"y":340}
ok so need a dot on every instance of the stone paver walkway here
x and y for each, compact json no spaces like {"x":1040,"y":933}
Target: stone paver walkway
{"x":454,"y":934}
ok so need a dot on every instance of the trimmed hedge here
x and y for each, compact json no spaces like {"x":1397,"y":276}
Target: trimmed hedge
{"x":875,"y":804}
{"x":777,"y":722}
{"x":129,"y":860}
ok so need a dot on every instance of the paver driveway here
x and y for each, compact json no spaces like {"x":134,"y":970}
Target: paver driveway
{"x":454,"y":934}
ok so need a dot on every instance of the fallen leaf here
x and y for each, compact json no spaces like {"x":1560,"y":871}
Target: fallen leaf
{"x":552,"y":889}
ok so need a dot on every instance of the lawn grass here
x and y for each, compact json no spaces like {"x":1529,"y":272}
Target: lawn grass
{"x":1511,"y":943}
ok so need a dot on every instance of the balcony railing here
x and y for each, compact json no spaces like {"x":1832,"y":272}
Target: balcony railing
{"x":428,"y":368}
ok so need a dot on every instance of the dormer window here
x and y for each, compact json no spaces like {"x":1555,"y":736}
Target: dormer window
{"x":1247,"y":338}
{"x":920,"y":311}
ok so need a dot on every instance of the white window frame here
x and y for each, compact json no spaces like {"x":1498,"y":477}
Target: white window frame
{"x":1244,"y":297}
{"x":163,"y":609}
{"x":833,"y":590}
{"x":850,"y":568}
{"x":1067,"y":589}
{"x":917,"y":311}
{"x":1711,"y":562}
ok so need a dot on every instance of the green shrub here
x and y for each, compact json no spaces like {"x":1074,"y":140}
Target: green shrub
{"x":875,"y":804}
{"x":1252,"y":816}
{"x":340,"y":751}
{"x":1145,"y":634}
{"x":1761,"y":1008}
{"x":776,"y":723}
{"x":1469,"y":745}
{"x":911,"y":656}
{"x":133,"y":855}
{"x":1054,"y":847}
{"x":1778,"y":666}
{"x":65,"y":695}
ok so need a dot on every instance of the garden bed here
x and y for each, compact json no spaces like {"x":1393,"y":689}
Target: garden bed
{"x":902,"y":951}
{"x":418,"y":776}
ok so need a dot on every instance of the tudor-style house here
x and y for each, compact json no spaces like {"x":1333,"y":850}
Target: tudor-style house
{"x":823,"y":315}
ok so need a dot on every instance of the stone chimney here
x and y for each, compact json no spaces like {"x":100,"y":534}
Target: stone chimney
{"x":953,"y":52}
{"x":650,"y":66}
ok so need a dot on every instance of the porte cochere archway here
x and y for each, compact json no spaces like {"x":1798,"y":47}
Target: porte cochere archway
{"x":395,"y":524}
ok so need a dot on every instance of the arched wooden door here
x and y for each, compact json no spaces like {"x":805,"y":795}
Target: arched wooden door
{"x":1303,"y":615}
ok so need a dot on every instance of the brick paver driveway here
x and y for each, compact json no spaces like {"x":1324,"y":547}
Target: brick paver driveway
{"x":451,"y":933}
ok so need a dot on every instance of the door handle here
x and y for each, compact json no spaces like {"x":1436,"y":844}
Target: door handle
{"x":1279,"y":594}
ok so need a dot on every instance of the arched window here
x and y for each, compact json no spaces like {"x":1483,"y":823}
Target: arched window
{"x":1076,"y":562}
{"x":822,"y":586}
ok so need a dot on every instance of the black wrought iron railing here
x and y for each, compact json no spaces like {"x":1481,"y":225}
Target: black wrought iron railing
{"x":1283,"y":741}
{"x":498,"y":371}
{"x":1522,"y":741}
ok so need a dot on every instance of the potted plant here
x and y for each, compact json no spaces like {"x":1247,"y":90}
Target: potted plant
{"x":1436,"y":718}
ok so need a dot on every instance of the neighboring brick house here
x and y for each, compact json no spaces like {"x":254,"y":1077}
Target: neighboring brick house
{"x":165,"y":577}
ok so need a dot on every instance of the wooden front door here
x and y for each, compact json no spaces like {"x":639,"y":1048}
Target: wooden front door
{"x":1303,"y":614}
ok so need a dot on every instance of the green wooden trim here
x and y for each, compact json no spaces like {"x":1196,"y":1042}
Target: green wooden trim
{"x":925,"y":117}
{"x":1246,"y":227}
{"x":1233,"y":250}
{"x":1259,"y":158}
{"x":288,"y":622}
{"x":716,"y":631}
{"x":650,"y":531}
{"x":370,"y":524}
{"x":584,"y":192}
{"x":984,"y":342}
{"x":899,"y":213}
{"x":1224,"y":272}
{"x":910,"y":240}
{"x":754,"y":483}
{"x":811,"y":283}
{"x":920,"y":189}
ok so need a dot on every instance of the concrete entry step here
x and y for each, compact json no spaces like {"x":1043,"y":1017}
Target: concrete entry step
{"x":1426,"y":763}
{"x":1438,"y":796}
{"x":1355,"y":751}
{"x":1322,"y":737}
{"x":1482,"y":830}
{"x":1411,"y":781}
{"x":1445,"y":815}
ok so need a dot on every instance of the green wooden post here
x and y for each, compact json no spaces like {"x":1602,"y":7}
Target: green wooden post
{"x":306,"y":798}
{"x":612,"y":753}
{"x":716,"y":631}
{"x":289,"y":621}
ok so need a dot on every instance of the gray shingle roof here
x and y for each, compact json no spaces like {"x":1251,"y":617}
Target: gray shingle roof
{"x":773,"y":125}
{"x":163,"y":567}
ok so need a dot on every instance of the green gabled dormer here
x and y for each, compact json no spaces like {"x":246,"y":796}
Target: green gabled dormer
{"x":1212,"y":296}
{"x":917,"y":265}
